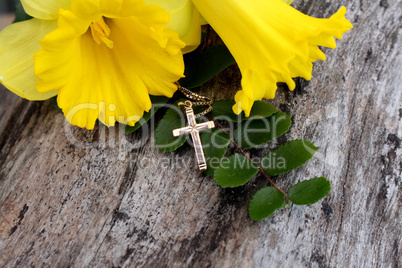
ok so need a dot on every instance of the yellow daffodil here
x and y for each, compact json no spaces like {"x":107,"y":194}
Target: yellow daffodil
{"x":271,"y":42}
{"x":103,"y":58}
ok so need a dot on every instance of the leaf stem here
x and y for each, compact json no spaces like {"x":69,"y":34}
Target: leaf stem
{"x":245,"y":155}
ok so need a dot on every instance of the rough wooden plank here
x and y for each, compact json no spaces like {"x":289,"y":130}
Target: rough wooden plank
{"x":6,"y":19}
{"x":70,"y":197}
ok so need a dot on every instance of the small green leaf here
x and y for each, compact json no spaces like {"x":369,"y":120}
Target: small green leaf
{"x":157,"y":102}
{"x":215,"y":144}
{"x":310,"y":191}
{"x":264,"y":202}
{"x":287,"y":157}
{"x":222,"y":110}
{"x":235,"y":171}
{"x":201,"y":68}
{"x":55,"y":105}
{"x":20,"y":14}
{"x":261,"y":109}
{"x":254,"y":133}
{"x":173,"y":118}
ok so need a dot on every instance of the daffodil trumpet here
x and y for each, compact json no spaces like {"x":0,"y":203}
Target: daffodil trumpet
{"x":271,"y":42}
{"x":102,"y":58}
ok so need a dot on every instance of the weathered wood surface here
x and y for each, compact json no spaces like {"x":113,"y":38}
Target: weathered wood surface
{"x":70,"y":197}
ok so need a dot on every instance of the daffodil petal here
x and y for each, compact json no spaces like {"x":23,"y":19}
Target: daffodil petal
{"x":44,"y":9}
{"x":271,"y":42}
{"x":202,"y":20}
{"x":184,"y":19}
{"x":18,"y":43}
{"x":109,"y":83}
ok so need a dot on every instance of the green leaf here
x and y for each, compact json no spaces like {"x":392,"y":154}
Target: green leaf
{"x":287,"y":157}
{"x":55,"y":105}
{"x":223,"y":110}
{"x":20,"y":14}
{"x":173,"y":118}
{"x":157,"y":102}
{"x":201,"y":68}
{"x":254,"y":133}
{"x":235,"y":171}
{"x":310,"y":191}
{"x":264,"y":202}
{"x":215,"y":144}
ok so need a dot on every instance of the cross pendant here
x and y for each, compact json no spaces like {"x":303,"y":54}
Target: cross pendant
{"x":193,"y":128}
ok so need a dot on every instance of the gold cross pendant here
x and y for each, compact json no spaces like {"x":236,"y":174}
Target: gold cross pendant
{"x":193,"y":129}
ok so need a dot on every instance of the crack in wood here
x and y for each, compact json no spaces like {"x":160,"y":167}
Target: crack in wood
{"x":20,"y":218}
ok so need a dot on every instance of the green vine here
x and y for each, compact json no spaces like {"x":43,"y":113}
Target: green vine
{"x":238,"y":168}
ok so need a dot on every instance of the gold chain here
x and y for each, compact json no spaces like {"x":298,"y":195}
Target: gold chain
{"x":198,"y":100}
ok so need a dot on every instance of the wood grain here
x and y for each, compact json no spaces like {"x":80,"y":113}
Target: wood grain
{"x":72,"y":197}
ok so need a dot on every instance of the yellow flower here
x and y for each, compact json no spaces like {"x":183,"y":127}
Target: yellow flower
{"x":184,"y":19}
{"x":271,"y":42}
{"x":103,"y":58}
